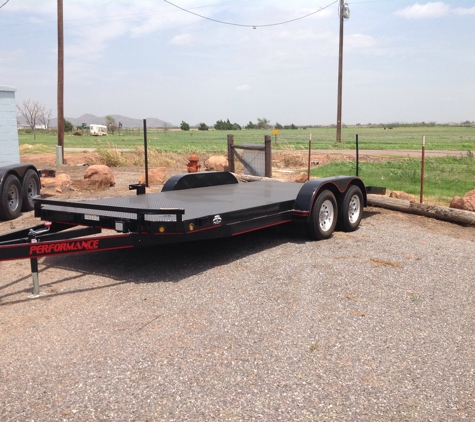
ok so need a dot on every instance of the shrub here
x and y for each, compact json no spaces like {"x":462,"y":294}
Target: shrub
{"x":110,"y":155}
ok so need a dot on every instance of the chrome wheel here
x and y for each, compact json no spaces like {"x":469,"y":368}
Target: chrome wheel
{"x":354,"y":209}
{"x":351,"y":209}
{"x":31,"y":188}
{"x":13,"y":197}
{"x":326,"y":215}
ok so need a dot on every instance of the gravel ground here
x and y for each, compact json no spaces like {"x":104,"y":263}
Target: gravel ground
{"x":376,"y":325}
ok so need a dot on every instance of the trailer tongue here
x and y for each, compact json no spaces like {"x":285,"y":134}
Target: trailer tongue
{"x":191,"y":206}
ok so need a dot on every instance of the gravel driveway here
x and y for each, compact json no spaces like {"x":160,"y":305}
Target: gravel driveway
{"x":376,"y":325}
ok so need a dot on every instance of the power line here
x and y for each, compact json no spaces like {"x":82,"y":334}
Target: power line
{"x":111,"y":18}
{"x":4,"y":4}
{"x":116,"y":18}
{"x":368,"y":1}
{"x":127,"y":16}
{"x":247,"y":25}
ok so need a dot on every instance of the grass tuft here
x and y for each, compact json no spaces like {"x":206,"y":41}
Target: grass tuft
{"x":109,"y":155}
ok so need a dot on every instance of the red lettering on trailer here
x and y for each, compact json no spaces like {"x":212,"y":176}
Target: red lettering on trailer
{"x":81,"y":245}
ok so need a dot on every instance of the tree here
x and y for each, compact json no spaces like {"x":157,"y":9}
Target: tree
{"x":184,"y":126}
{"x":110,"y":123}
{"x":203,"y":126}
{"x":278,"y":126}
{"x":33,"y":112}
{"x":227,"y":125}
{"x":68,"y":126}
{"x":82,"y":127}
{"x":109,"y":120}
{"x":45,"y":118}
{"x":263,"y":123}
{"x":250,"y":125}
{"x":223,"y":125}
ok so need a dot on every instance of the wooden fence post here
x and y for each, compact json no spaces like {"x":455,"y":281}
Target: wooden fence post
{"x":231,"y":153}
{"x":268,"y":155}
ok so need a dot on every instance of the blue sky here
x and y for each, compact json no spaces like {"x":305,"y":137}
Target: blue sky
{"x":403,"y":60}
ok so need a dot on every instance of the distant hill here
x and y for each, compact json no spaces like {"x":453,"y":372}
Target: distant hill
{"x":126,"y":121}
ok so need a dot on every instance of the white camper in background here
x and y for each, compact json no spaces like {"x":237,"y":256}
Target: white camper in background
{"x":98,"y":130}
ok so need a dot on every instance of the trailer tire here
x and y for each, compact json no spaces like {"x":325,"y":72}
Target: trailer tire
{"x":351,"y":209}
{"x":324,"y":216}
{"x":30,"y":189}
{"x":11,"y":198}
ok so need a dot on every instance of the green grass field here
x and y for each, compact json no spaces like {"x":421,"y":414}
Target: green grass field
{"x":437,"y":138}
{"x":444,"y":177}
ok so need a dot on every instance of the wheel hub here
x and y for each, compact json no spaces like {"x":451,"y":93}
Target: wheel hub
{"x":354,"y":209}
{"x":326,"y":215}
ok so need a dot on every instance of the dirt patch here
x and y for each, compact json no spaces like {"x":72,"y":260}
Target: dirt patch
{"x":75,"y":167}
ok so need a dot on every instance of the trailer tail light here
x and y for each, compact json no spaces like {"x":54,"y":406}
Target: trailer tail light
{"x":191,"y":227}
{"x":47,"y":173}
{"x":161,"y":229}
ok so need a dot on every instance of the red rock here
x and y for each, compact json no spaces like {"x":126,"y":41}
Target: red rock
{"x":301,"y":177}
{"x":100,"y":174}
{"x":466,"y":203}
{"x":399,"y":194}
{"x":156,"y":176}
{"x":60,"y":181}
{"x":217,"y":163}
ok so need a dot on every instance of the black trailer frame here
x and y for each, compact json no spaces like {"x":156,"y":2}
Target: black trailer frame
{"x":191,"y":206}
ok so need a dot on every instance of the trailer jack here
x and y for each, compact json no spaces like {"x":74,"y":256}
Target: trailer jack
{"x":32,"y":236}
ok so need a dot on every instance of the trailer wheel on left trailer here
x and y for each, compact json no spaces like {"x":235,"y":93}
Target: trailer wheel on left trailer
{"x":30,"y":189}
{"x":10,"y":198}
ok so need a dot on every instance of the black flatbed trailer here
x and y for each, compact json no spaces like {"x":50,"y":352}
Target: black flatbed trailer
{"x":191,"y":206}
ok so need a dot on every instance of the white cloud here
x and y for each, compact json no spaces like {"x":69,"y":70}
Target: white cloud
{"x":464,"y":11}
{"x":325,"y":13}
{"x":43,"y":8}
{"x":182,"y":39}
{"x":298,"y":35}
{"x":424,"y":11}
{"x":360,"y":41}
{"x":243,"y":88}
{"x":10,"y":56}
{"x":90,"y":45}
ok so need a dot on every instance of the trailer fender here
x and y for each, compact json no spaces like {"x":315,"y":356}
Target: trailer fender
{"x":18,"y":170}
{"x":310,"y":190}
{"x":199,"y":180}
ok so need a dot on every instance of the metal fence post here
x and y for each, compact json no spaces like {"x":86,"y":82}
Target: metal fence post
{"x":309,"y":155}
{"x":231,"y":153}
{"x":421,"y":199}
{"x":357,"y":156}
{"x":145,"y":149}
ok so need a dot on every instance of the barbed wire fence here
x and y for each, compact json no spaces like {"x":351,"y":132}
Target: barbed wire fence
{"x":434,"y":180}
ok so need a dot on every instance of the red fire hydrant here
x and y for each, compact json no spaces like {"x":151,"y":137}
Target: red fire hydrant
{"x":193,"y":165}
